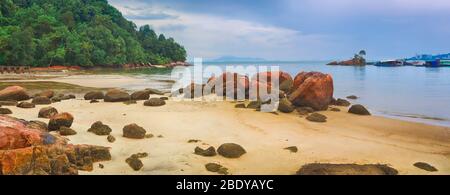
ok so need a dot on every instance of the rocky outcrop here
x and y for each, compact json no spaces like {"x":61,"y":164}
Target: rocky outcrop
{"x":15,"y":93}
{"x":116,"y":95}
{"x":28,"y":151}
{"x":59,"y":120}
{"x":94,"y":95}
{"x":312,"y":89}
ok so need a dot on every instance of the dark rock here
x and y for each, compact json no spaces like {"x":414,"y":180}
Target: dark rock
{"x":352,"y":97}
{"x":346,"y":169}
{"x":293,"y":149}
{"x":194,"y":141}
{"x":134,"y":131}
{"x":140,"y":155}
{"x":130,"y":102}
{"x":285,"y":106}
{"x":41,"y":100}
{"x":154,"y":102}
{"x":216,"y":168}
{"x":59,"y":120}
{"x":39,"y":125}
{"x":342,"y":102}
{"x":48,"y":94}
{"x":25,"y":105}
{"x":101,"y":166}
{"x":68,"y":97}
{"x":47,"y":112}
{"x":94,"y":101}
{"x":231,"y":150}
{"x":240,"y":105}
{"x":425,"y":166}
{"x":8,"y":103}
{"x":140,"y":95}
{"x":160,"y":136}
{"x":111,"y":139}
{"x":316,"y":117}
{"x":164,"y":98}
{"x":148,"y":136}
{"x":98,"y":128}
{"x":304,"y":110}
{"x":135,"y":163}
{"x":211,"y":151}
{"x":335,"y":109}
{"x":55,"y":99}
{"x":116,"y":95}
{"x":5,"y":111}
{"x":66,"y":131}
{"x":94,"y":95}
{"x":359,"y":110}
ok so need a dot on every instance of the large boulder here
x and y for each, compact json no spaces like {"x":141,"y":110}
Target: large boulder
{"x":25,"y":150}
{"x":359,"y":110}
{"x":312,"y":89}
{"x":116,"y":95}
{"x":41,"y":100}
{"x":140,"y":95}
{"x":98,"y":128}
{"x":94,"y":95}
{"x":231,"y":150}
{"x":285,"y":79}
{"x":134,"y":131}
{"x":47,"y":112}
{"x":59,"y":120}
{"x":15,"y":93}
{"x":230,"y":85}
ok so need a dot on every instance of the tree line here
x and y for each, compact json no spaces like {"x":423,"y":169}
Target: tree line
{"x":78,"y":32}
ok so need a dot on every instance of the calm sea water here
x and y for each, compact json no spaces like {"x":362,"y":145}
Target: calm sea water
{"x":410,"y":93}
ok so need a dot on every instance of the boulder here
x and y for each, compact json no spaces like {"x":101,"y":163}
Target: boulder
{"x":216,"y":168}
{"x":285,"y":106}
{"x":47,"y":112}
{"x":140,"y":95}
{"x":346,"y":169}
{"x":98,"y":128}
{"x":230,"y":85}
{"x":425,"y":166}
{"x":342,"y":102}
{"x":312,"y":89}
{"x":25,"y":150}
{"x":210,"y":151}
{"x":316,"y":117}
{"x":59,"y":120}
{"x":116,"y":95}
{"x":94,"y":95}
{"x":48,"y":94}
{"x":15,"y":93}
{"x":231,"y":150}
{"x":154,"y":102}
{"x":66,"y":131}
{"x":8,"y":103}
{"x":40,"y":100}
{"x":134,"y":131}
{"x":25,"y":105}
{"x":359,"y":110}
{"x":285,"y":80}
{"x":5,"y":111}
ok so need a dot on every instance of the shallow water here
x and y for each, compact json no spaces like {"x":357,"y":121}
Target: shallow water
{"x":409,"y":93}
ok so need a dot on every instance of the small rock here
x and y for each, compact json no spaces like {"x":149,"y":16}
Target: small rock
{"x":346,"y":169}
{"x":285,"y":106}
{"x":66,"y":131}
{"x":164,"y":98}
{"x":94,"y":101}
{"x":5,"y":111}
{"x":111,"y":139}
{"x":135,"y":163}
{"x":101,"y":166}
{"x":316,"y":117}
{"x":194,"y":141}
{"x":59,"y":120}
{"x":335,"y":109}
{"x":240,"y":105}
{"x":68,"y":97}
{"x":342,"y":102}
{"x":116,"y":95}
{"x":47,"y":112}
{"x":47,"y":94}
{"x":352,"y":97}
{"x":304,"y":110}
{"x":359,"y":110}
{"x":98,"y":128}
{"x":140,"y":95}
{"x":154,"y":102}
{"x":40,"y":100}
{"x":160,"y":136}
{"x":148,"y":136}
{"x":134,"y":131}
{"x":231,"y":150}
{"x":25,"y":105}
{"x":216,"y":168}
{"x":94,"y":95}
{"x":8,"y":103}
{"x":293,"y":149}
{"x":129,"y":102}
{"x":211,"y":151}
{"x":425,"y":166}
{"x":55,"y":99}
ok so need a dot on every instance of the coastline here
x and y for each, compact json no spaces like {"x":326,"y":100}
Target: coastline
{"x":344,"y":138}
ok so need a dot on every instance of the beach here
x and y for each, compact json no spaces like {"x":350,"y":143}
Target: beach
{"x":344,"y":139}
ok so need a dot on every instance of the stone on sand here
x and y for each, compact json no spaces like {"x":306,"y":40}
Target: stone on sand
{"x":359,"y":110}
{"x":210,"y":151}
{"x":111,"y":139}
{"x":285,"y":106}
{"x":293,"y":149}
{"x":316,"y":117}
{"x":155,"y":102}
{"x":5,"y":111}
{"x":346,"y":169}
{"x":66,"y":131}
{"x":40,"y":100}
{"x":26,"y":105}
{"x":47,"y":112}
{"x":231,"y":150}
{"x":134,"y":131}
{"x":94,"y":95}
{"x":140,"y":95}
{"x":116,"y":95}
{"x":425,"y":166}
{"x":98,"y":128}
{"x":59,"y":120}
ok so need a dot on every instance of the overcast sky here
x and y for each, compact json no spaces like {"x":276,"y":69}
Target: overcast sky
{"x":298,"y":29}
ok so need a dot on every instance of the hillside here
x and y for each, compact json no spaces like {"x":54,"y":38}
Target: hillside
{"x":77,"y":32}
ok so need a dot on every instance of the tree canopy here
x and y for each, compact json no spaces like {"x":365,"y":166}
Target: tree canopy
{"x":78,"y":32}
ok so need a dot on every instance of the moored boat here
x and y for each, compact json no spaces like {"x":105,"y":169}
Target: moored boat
{"x":390,"y":63}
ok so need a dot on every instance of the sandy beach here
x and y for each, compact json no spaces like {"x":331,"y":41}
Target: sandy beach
{"x":344,"y":138}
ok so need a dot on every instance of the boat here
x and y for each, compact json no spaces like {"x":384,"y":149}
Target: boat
{"x":415,"y":63}
{"x":390,"y":63}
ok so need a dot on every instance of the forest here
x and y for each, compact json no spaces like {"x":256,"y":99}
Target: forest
{"x":78,"y":32}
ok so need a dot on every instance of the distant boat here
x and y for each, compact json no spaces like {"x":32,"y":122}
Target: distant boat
{"x":390,"y":63}
{"x":415,"y":63}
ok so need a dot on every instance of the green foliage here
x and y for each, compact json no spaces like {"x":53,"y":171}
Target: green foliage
{"x":77,"y":32}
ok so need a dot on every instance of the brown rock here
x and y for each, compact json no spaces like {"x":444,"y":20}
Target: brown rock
{"x":48,"y":94}
{"x":38,"y":125}
{"x":116,"y":95}
{"x":285,"y":80}
{"x":342,"y":102}
{"x":316,"y":117}
{"x":98,"y":128}
{"x":352,"y":97}
{"x":231,"y":150}
{"x":94,"y":95}
{"x":134,"y":131}
{"x":359,"y":110}
{"x":285,"y":106}
{"x":312,"y":89}
{"x":5,"y":111}
{"x":304,"y":110}
{"x":346,"y":169}
{"x":293,"y":149}
{"x":140,"y":95}
{"x":155,"y":102}
{"x":111,"y":139}
{"x":25,"y":105}
{"x":40,"y":100}
{"x":210,"y":151}
{"x":66,"y":131}
{"x":8,"y":103}
{"x":59,"y":120}
{"x":425,"y":166}
{"x":47,"y":112}
{"x":135,"y":163}
{"x":15,"y":93}
{"x":216,"y":168}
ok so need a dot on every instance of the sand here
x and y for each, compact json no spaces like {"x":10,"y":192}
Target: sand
{"x":345,"y":138}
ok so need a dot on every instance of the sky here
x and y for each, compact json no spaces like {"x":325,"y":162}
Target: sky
{"x":297,"y":29}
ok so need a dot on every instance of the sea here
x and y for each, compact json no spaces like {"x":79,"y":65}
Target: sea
{"x":417,"y":94}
